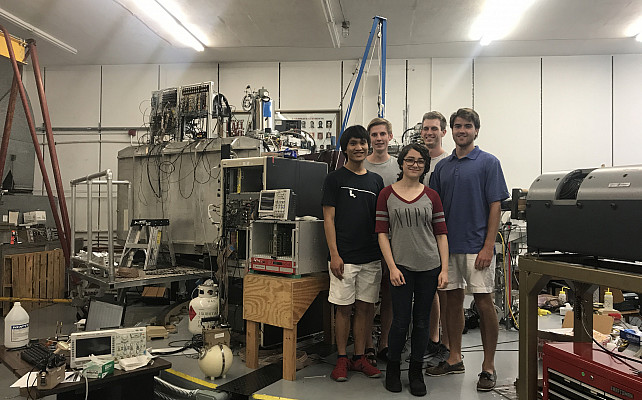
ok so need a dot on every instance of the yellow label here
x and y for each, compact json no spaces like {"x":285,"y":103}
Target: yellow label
{"x":18,"y":45}
{"x":158,"y":237}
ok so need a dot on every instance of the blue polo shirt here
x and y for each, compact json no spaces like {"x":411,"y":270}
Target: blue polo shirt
{"x":467,"y":186}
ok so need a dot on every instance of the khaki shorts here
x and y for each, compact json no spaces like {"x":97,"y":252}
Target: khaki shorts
{"x":462,"y":273}
{"x":360,"y":282}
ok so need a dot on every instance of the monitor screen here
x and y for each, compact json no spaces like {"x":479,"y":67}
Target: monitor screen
{"x":267,"y":201}
{"x":97,"y":346}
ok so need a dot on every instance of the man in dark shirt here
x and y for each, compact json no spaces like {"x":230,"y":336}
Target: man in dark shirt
{"x":349,"y":207}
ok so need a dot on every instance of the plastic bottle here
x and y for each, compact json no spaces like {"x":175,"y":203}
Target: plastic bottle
{"x":563,"y":310}
{"x":562,"y":295}
{"x":608,"y":299}
{"x":16,"y":327}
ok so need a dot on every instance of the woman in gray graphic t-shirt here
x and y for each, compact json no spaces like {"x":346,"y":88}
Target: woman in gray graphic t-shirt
{"x":417,"y":255}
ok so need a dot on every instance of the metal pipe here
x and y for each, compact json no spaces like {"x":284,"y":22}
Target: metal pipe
{"x":90,"y":247}
{"x":92,"y":129}
{"x":60,"y":190}
{"x":11,"y":107}
{"x":73,"y":221}
{"x":59,"y":143}
{"x":112,"y":182}
{"x":34,"y":138}
{"x":90,"y":177}
{"x":110,"y":228}
{"x":130,"y":203}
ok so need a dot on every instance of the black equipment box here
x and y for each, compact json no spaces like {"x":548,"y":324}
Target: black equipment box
{"x":594,"y":212}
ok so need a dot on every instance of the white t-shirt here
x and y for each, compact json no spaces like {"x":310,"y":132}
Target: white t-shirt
{"x":433,"y":163}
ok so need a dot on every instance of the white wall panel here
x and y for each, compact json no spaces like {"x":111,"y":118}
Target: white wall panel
{"x":350,"y":70}
{"x":419,"y":82}
{"x":395,"y":98}
{"x":310,"y":85}
{"x":73,"y":95}
{"x":78,"y":156}
{"x":451,"y":88}
{"x":365,"y":106}
{"x":510,"y":119}
{"x":576,"y":112}
{"x":627,"y":103}
{"x":234,"y":78}
{"x":172,"y":75}
{"x":127,"y":90}
{"x":109,"y":148}
{"x":98,"y":205}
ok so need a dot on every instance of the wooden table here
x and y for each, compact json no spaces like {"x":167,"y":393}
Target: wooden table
{"x":135,"y":385}
{"x":280,"y":301}
{"x":583,"y":275}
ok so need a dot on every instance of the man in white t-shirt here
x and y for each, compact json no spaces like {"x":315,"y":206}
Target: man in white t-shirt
{"x":386,"y":166}
{"x":433,"y":130}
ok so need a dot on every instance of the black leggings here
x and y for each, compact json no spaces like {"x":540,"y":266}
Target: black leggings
{"x":423,"y":286}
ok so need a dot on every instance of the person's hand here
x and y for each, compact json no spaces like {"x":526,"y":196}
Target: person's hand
{"x":396,"y":277}
{"x":442,"y":280}
{"x":483,"y":258}
{"x":336,"y":266}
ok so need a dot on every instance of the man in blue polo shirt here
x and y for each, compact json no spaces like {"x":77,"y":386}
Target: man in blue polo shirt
{"x":471,"y":185}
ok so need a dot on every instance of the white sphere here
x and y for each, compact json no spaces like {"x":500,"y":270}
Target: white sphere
{"x":216,"y":361}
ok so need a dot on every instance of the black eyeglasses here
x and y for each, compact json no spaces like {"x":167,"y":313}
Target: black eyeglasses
{"x":411,"y":161}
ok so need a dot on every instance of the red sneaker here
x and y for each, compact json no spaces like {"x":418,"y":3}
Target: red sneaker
{"x":340,"y":371}
{"x":362,"y":365}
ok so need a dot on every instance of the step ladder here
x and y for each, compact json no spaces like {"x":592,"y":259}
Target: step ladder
{"x":153,"y":230}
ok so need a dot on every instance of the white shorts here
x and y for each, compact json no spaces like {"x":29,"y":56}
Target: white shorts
{"x":360,"y":282}
{"x":462,"y":272}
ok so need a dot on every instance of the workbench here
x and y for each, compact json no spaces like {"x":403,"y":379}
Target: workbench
{"x":132,"y":385}
{"x":281,"y":301}
{"x":583,"y":275}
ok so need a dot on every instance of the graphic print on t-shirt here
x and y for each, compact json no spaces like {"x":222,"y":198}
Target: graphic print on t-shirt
{"x":412,"y":216}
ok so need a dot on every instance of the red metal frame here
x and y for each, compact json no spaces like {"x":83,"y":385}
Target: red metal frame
{"x":62,"y":226}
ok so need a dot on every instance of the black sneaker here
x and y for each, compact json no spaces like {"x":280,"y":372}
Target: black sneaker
{"x":443,"y":368}
{"x":486,"y":381}
{"x":436,"y":353}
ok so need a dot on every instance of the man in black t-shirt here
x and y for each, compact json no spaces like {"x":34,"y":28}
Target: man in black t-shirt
{"x":349,"y":206}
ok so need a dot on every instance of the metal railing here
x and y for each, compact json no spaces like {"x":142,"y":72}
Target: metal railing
{"x":91,"y":180}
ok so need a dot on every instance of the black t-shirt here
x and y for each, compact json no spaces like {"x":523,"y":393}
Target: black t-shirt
{"x":354,"y":198}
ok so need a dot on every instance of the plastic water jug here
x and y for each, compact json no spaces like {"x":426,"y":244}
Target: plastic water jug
{"x":16,"y":327}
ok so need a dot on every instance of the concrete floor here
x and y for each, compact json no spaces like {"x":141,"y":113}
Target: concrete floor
{"x":313,"y":382}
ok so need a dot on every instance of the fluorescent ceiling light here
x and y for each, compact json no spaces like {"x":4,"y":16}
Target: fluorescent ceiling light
{"x":634,"y":28}
{"x":332,"y":26}
{"x":498,"y":19}
{"x":28,"y":27}
{"x":157,"y":17}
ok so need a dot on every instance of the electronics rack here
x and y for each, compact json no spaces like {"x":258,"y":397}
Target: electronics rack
{"x":163,"y":118}
{"x":195,"y":111}
{"x":243,"y":180}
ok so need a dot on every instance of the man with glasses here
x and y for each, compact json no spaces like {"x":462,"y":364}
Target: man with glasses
{"x":382,"y":163}
{"x":471,"y":185}
{"x":433,"y":130}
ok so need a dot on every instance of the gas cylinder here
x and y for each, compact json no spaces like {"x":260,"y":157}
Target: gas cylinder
{"x":204,"y":305}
